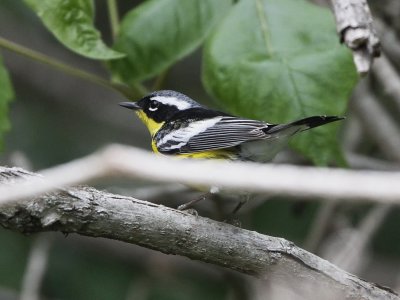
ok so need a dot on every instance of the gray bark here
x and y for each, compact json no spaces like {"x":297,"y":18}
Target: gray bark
{"x":355,"y":28}
{"x":91,"y":212}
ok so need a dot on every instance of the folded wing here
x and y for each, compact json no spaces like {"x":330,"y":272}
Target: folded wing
{"x":211,"y":134}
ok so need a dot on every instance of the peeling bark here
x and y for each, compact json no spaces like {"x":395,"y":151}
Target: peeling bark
{"x":355,"y":28}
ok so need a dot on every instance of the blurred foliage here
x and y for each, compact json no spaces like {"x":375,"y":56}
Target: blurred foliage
{"x":119,"y":279}
{"x":387,"y":238}
{"x":157,"y":34}
{"x":6,"y":94}
{"x":47,"y":133}
{"x":277,"y":217}
{"x":13,"y":256}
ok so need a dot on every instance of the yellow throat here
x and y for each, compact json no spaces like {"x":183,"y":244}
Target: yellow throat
{"x":152,"y":127}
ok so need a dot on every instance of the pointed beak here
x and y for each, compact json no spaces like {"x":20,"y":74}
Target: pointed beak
{"x":130,"y":105}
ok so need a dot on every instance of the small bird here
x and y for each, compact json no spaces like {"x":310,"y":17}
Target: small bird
{"x":180,"y":126}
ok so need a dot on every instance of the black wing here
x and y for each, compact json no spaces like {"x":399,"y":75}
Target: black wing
{"x":211,"y":134}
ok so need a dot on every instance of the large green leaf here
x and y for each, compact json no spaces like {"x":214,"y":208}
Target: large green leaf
{"x":6,"y":95}
{"x":280,"y":60}
{"x":158,"y":33}
{"x":71,"y":21}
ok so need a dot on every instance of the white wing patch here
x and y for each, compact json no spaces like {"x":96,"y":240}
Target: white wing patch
{"x":181,"y":136}
{"x":215,"y":133}
{"x":173,"y":101}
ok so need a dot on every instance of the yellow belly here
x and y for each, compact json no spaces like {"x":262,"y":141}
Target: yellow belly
{"x":212,"y":154}
{"x":229,"y":154}
{"x":215,"y":154}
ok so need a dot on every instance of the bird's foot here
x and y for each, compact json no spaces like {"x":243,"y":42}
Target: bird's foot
{"x":233,"y":221}
{"x":190,"y":211}
{"x":240,"y":204}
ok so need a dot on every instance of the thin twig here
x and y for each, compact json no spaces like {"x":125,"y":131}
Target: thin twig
{"x":348,"y":256}
{"x":36,"y":268}
{"x":389,"y":79}
{"x":94,"y":213}
{"x":390,"y":41}
{"x":298,"y":182}
{"x":70,"y":70}
{"x":359,"y":161}
{"x":353,"y":133}
{"x":320,"y":225}
{"x":114,"y":17}
{"x":37,"y":56}
{"x":377,"y":122}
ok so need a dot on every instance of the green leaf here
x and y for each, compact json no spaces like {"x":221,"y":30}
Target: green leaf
{"x":278,"y":61}
{"x":71,"y":21}
{"x":158,"y":33}
{"x":6,"y":95}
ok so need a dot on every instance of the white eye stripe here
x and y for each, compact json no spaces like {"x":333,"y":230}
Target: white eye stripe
{"x":172,"y":101}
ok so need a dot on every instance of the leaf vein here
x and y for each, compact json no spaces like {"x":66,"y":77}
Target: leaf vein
{"x":262,"y":17}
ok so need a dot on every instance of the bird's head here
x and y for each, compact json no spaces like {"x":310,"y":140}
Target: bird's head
{"x":158,"y":107}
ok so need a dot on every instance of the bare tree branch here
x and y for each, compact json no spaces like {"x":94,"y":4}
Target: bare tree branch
{"x":390,"y":41}
{"x":359,"y":161}
{"x":377,"y":122}
{"x":389,"y":78}
{"x":36,"y":268}
{"x":295,"y":181}
{"x":349,"y":255}
{"x":319,"y":226}
{"x":90,"y":212}
{"x":352,"y":134}
{"x":354,"y":25}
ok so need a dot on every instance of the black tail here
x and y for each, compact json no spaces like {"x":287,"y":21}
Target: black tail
{"x":301,"y":125}
{"x":315,"y":121}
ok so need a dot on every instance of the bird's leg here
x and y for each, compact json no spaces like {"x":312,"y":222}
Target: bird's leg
{"x":243,"y":200}
{"x":232,"y":217}
{"x":187,"y":205}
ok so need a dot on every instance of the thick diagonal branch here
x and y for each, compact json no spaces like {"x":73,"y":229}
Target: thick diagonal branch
{"x":90,"y":212}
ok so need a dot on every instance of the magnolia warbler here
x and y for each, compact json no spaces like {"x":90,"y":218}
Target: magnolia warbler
{"x":180,"y":126}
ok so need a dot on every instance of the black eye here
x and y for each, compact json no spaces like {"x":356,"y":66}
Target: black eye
{"x":153,"y":105}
